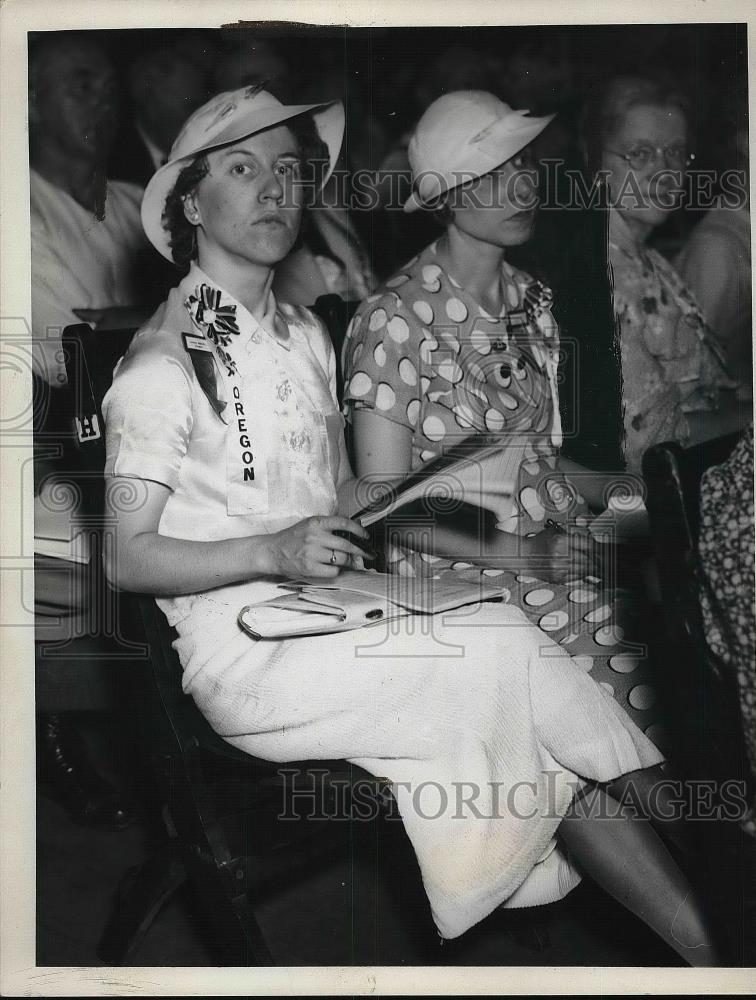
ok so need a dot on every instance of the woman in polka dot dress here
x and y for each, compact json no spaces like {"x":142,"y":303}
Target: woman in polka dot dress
{"x":459,"y":342}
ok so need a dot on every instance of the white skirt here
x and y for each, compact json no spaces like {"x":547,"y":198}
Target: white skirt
{"x":483,"y":724}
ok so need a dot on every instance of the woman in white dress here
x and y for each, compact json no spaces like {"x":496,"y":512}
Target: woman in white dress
{"x":227,"y":471}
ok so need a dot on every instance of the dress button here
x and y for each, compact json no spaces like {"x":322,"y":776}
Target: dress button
{"x":61,"y":378}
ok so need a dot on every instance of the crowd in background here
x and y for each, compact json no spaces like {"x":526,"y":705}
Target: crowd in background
{"x":387,"y":78}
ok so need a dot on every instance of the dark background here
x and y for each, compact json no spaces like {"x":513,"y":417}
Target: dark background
{"x":378,"y":68}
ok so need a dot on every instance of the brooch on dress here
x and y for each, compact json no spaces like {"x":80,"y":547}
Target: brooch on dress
{"x":218,"y":321}
{"x":538,"y":298}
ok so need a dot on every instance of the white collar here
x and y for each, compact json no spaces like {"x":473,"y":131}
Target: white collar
{"x":223,"y":319}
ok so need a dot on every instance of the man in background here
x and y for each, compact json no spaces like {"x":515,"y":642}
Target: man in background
{"x":85,"y":231}
{"x":166,"y":82}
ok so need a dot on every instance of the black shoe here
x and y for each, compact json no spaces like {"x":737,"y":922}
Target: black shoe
{"x":64,"y":765}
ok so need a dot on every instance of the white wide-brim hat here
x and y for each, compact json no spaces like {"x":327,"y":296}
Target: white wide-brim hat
{"x":461,"y":136}
{"x":227,"y":118}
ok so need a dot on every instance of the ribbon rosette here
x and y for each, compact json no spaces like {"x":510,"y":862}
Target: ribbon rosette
{"x":218,"y":321}
{"x":229,"y":362}
{"x":538,"y":298}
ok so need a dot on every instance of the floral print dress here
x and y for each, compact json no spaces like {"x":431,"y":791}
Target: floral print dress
{"x":424,"y":354}
{"x":726,"y":549}
{"x":671,"y":362}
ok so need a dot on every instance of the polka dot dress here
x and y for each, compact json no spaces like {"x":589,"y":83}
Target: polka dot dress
{"x":424,"y":354}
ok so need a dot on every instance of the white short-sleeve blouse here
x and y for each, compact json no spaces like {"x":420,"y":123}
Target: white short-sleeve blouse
{"x":239,"y":419}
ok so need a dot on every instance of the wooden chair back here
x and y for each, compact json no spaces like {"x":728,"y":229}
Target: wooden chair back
{"x":704,"y":695}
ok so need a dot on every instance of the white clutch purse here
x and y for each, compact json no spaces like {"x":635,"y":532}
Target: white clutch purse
{"x":356,"y":599}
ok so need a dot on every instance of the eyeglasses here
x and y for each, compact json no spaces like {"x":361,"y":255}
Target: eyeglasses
{"x":676,"y":157}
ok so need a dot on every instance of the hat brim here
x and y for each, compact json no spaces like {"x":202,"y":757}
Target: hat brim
{"x":514,"y":144}
{"x":329,"y":122}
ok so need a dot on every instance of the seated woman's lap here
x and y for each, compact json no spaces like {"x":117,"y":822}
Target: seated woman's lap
{"x":601,"y":629}
{"x":418,"y":687}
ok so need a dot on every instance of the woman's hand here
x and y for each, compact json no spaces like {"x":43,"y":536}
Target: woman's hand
{"x":138,"y":558}
{"x":313,"y":547}
{"x":557,"y":555}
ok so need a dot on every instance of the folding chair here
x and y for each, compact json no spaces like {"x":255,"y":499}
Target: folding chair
{"x":83,"y":660}
{"x":703,"y":694}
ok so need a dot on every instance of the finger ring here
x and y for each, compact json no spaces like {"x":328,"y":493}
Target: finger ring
{"x":333,"y":557}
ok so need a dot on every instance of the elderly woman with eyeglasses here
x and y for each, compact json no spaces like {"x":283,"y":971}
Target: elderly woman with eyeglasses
{"x":635,"y":133}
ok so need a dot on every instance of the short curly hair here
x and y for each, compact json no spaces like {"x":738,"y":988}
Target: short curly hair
{"x":183,"y":235}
